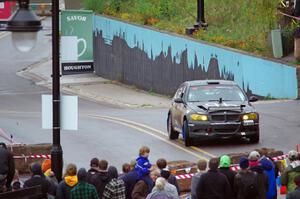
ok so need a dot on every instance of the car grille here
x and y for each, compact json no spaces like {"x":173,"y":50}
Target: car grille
{"x":225,"y":117}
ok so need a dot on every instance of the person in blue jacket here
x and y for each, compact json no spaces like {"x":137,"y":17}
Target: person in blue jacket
{"x":143,"y":166}
{"x":269,"y":170}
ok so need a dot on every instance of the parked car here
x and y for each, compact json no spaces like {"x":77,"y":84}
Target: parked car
{"x":212,"y":109}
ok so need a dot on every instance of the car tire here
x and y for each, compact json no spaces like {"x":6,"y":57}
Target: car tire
{"x":173,"y":135}
{"x":254,"y":138}
{"x":186,"y":133}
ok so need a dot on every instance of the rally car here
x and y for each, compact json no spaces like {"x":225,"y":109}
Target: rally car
{"x":212,"y":109}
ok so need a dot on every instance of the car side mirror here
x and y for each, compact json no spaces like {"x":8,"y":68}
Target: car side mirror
{"x":253,"y":99}
{"x":178,"y":100}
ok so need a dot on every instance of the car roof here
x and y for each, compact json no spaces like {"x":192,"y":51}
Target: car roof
{"x":208,"y":82}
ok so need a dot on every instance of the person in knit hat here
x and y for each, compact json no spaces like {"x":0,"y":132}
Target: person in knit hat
{"x":68,"y":183}
{"x":224,"y":168}
{"x":46,"y":166}
{"x":243,"y":179}
{"x":37,"y":178}
{"x":50,"y":176}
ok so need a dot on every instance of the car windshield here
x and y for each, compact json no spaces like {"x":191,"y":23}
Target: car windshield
{"x":214,"y":93}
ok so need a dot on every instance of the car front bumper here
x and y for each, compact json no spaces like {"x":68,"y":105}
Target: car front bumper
{"x":222,"y":130}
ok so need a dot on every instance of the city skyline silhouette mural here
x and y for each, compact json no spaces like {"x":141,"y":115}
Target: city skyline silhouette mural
{"x":163,"y":73}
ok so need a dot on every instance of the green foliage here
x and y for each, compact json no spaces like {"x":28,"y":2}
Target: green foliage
{"x":164,"y":10}
{"x":241,"y":24}
{"x":116,"y":5}
{"x":95,"y":5}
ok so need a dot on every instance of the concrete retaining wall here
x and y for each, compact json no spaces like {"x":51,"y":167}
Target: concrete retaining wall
{"x":160,"y":61}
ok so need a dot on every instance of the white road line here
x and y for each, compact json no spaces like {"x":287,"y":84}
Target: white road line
{"x":152,"y":129}
{"x":149,"y":133}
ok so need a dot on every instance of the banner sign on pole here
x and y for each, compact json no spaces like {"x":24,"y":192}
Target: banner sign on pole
{"x":68,"y":112}
{"x":76,"y":41}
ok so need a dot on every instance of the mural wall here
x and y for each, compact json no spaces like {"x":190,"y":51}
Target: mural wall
{"x":159,"y":62}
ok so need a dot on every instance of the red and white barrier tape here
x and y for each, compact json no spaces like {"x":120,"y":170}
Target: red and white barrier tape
{"x":184,"y":176}
{"x":234,"y":167}
{"x":40,"y":156}
{"x":281,"y":157}
{"x":34,"y":156}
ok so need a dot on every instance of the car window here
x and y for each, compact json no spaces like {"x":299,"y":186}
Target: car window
{"x":179,"y":92}
{"x":214,"y":93}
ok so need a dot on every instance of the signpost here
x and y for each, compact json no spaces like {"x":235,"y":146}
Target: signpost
{"x":76,"y":42}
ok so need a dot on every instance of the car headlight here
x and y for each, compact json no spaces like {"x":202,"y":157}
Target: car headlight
{"x":197,"y":117}
{"x":250,"y":116}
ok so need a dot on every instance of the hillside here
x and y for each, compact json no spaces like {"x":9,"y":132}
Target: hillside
{"x":239,"y":24}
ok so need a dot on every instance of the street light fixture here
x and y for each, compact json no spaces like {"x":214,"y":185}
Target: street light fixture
{"x":24,"y":24}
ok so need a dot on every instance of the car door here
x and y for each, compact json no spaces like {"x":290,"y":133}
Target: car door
{"x":174,"y":107}
{"x":181,"y":107}
{"x":178,"y":107}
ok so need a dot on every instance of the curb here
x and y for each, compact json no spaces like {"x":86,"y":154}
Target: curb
{"x":70,"y":88}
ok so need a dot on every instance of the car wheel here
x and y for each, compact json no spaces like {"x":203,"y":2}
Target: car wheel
{"x":254,"y":138}
{"x":173,"y":135}
{"x":186,"y":133}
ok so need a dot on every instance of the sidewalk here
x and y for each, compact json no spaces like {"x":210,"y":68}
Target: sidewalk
{"x":95,"y":88}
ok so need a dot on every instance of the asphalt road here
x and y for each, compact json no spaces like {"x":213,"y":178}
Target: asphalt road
{"x":118,"y":137}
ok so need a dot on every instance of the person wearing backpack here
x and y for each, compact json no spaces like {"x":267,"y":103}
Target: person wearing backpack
{"x":246,"y":182}
{"x":263,"y":181}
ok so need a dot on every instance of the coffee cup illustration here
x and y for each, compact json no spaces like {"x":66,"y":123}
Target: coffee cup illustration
{"x":70,"y":48}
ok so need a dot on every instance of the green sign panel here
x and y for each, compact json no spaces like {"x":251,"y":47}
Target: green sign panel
{"x":76,"y":41}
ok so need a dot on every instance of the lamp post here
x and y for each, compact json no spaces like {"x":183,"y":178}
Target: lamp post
{"x":24,"y":26}
{"x":56,"y":151}
{"x":200,"y":23}
{"x":200,"y":14}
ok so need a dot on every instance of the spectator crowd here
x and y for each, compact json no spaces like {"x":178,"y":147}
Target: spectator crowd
{"x":257,"y":178}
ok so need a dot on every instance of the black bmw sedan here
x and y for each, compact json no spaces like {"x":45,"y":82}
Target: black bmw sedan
{"x":212,"y":109}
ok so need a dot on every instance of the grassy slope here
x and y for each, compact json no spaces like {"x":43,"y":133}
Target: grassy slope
{"x":241,"y":24}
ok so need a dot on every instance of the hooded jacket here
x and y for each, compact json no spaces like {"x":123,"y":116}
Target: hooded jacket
{"x":65,"y":186}
{"x":269,"y":170}
{"x":242,"y":178}
{"x":287,"y":178}
{"x":142,"y":166}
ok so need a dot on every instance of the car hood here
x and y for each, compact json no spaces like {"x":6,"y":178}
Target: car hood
{"x":230,"y":105}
